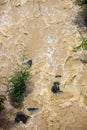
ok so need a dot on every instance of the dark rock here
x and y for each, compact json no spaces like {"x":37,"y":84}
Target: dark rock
{"x":79,"y":21}
{"x":84,"y":61}
{"x":29,"y":63}
{"x":55,"y":89}
{"x":85,"y":20}
{"x":33,"y":109}
{"x":83,"y":56}
{"x":59,"y":92}
{"x":21,"y":117}
{"x":58,"y":76}
{"x":15,"y":105}
{"x":56,"y":83}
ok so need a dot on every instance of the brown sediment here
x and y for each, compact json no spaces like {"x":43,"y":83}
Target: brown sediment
{"x":44,"y":29}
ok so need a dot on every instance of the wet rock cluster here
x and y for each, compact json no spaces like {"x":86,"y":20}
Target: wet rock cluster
{"x":21,"y":117}
{"x":56,"y":88}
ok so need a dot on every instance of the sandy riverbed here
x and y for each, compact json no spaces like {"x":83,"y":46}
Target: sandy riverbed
{"x":45,"y":29}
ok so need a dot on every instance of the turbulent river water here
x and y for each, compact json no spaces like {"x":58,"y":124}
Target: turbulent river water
{"x":46,"y":30}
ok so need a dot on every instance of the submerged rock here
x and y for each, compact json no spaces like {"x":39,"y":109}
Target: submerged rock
{"x":56,"y":83}
{"x":15,"y":105}
{"x":21,"y":117}
{"x":56,"y":87}
{"x":33,"y":109}
{"x":58,"y":76}
{"x":29,"y":63}
{"x":83,"y":56}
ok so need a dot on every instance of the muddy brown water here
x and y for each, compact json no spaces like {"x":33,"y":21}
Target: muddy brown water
{"x":44,"y":28}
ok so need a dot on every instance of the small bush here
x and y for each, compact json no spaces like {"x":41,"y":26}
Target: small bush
{"x":81,"y":2}
{"x":82,"y":46}
{"x":83,"y":13}
{"x":2,"y":99}
{"x":17,"y":84}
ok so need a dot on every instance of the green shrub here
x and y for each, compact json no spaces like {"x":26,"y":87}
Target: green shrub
{"x":81,"y":2}
{"x":83,"y":12}
{"x":82,"y":46}
{"x":17,"y":84}
{"x":2,"y":99}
